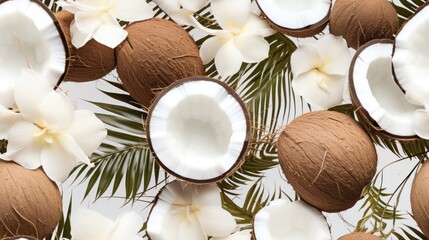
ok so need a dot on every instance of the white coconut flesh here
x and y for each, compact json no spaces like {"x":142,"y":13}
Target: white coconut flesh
{"x":411,"y":56}
{"x":378,"y":93}
{"x":295,"y":14}
{"x":284,"y":220}
{"x":29,"y":39}
{"x":198,"y":130}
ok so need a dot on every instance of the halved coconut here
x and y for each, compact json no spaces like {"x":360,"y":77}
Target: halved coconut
{"x":199,"y":130}
{"x":20,"y":238}
{"x":375,"y":94}
{"x":30,"y":38}
{"x":297,"y":220}
{"x":297,"y":18}
{"x":411,"y":56}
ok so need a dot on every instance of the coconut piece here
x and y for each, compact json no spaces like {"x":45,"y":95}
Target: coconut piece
{"x":419,"y":199}
{"x":360,"y":21}
{"x":328,"y":158}
{"x":181,"y":211}
{"x":283,"y":219}
{"x":30,"y":38}
{"x":297,"y":18}
{"x":20,"y":238}
{"x":31,"y":203}
{"x":376,"y":96}
{"x":359,"y":236}
{"x":90,"y":62}
{"x":199,"y":130}
{"x":157,"y":53}
{"x":410,"y":56}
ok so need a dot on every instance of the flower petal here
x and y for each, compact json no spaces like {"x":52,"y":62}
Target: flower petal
{"x":7,"y":119}
{"x":30,"y":91}
{"x":206,"y":196}
{"x":89,"y":225}
{"x":421,"y":123}
{"x":23,"y":147}
{"x":190,"y":229}
{"x":216,"y":221}
{"x":79,"y":39}
{"x":110,"y":33}
{"x":56,"y":110}
{"x":417,"y":93}
{"x":318,"y":89}
{"x":228,"y":59}
{"x":183,"y":17}
{"x":257,"y":26}
{"x":87,"y":130}
{"x":127,"y":226}
{"x":133,"y":10}
{"x":57,"y":162}
{"x":335,"y":55}
{"x":79,"y":6}
{"x":87,"y":22}
{"x":231,"y":15}
{"x":168,"y":6}
{"x":193,"y":5}
{"x":242,"y":235}
{"x":209,"y":48}
{"x":70,"y":146}
{"x":254,"y":49}
{"x":304,"y":59}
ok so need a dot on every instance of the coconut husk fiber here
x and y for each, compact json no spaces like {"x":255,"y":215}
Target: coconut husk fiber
{"x":328,"y":158}
{"x":360,"y":21}
{"x":359,"y":236}
{"x":156,"y":53}
{"x":419,"y":198}
{"x":30,"y":203}
{"x":90,"y":62}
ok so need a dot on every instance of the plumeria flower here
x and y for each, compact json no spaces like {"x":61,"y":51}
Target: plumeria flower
{"x":97,"y":19}
{"x":49,"y":132}
{"x":320,"y":71}
{"x":243,"y":235}
{"x":89,"y":225}
{"x":242,"y":38}
{"x":8,"y":111}
{"x":181,"y":11}
{"x":185,"y":211}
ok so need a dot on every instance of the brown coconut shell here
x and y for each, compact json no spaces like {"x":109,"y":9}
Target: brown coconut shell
{"x":328,"y":158}
{"x":359,"y":236}
{"x":419,"y":199}
{"x":90,"y":62}
{"x":360,"y":21}
{"x":157,"y":53}
{"x":247,"y":143}
{"x":363,"y":114}
{"x":31,"y":203}
{"x":307,"y":31}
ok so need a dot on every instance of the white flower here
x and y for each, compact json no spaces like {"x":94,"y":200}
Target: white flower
{"x":243,"y":235}
{"x":186,"y":211}
{"x":98,"y":19}
{"x":242,"y":38}
{"x":48,"y":132}
{"x":320,"y":71}
{"x":90,"y":225}
{"x":8,"y":115}
{"x":181,"y":11}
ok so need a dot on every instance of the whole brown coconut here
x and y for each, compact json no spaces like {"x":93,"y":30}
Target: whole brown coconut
{"x":360,"y":21}
{"x":359,"y":236}
{"x":328,"y":158}
{"x":157,"y":53}
{"x":419,"y":199}
{"x":90,"y":62}
{"x":30,"y":203}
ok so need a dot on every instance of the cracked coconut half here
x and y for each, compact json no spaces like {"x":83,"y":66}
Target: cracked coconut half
{"x":375,"y":94}
{"x":290,"y":220}
{"x":199,"y":130}
{"x":30,"y":38}
{"x":297,"y":18}
{"x":411,"y":56}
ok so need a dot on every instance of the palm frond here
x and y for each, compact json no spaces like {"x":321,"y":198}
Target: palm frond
{"x":124,"y":157}
{"x":410,"y":233}
{"x":406,"y":8}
